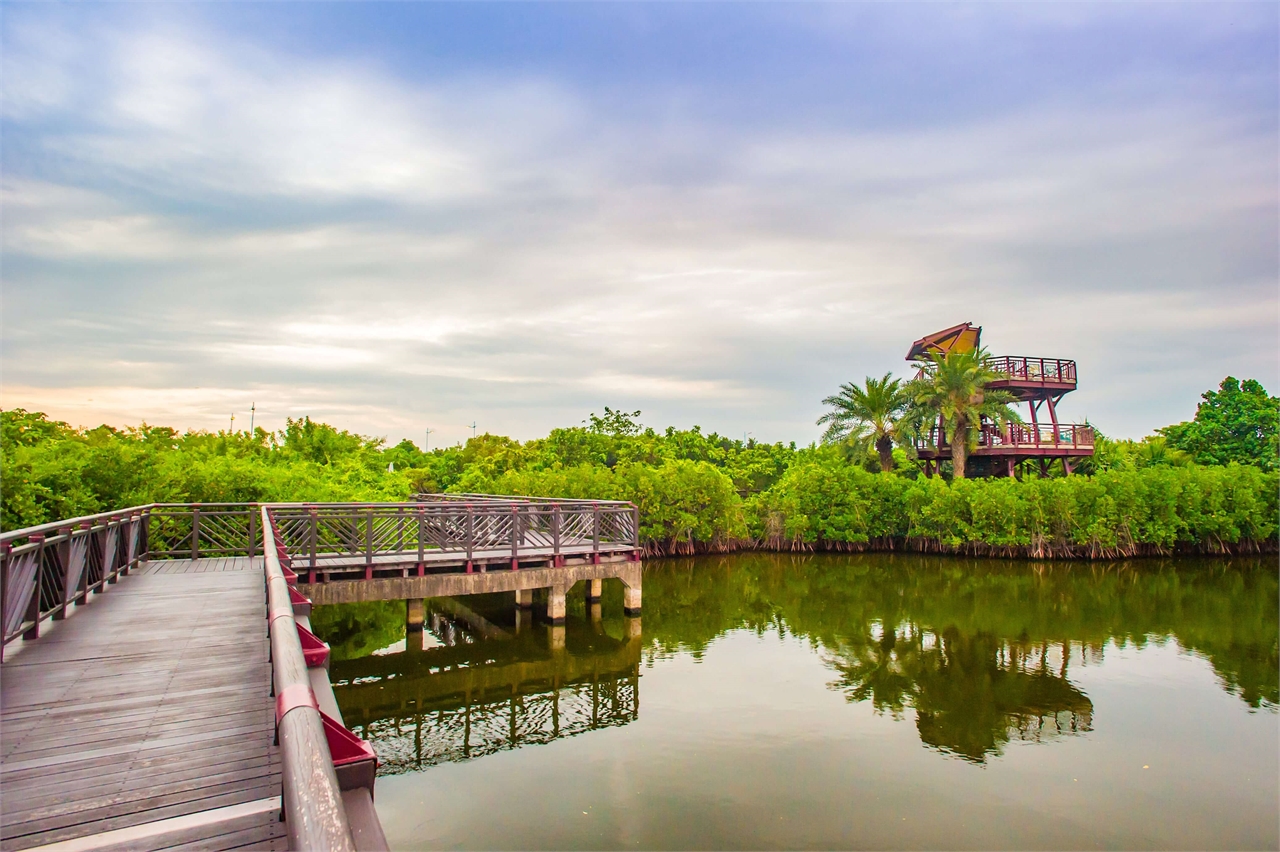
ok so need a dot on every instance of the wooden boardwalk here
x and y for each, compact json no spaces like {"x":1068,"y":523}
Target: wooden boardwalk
{"x":145,"y":721}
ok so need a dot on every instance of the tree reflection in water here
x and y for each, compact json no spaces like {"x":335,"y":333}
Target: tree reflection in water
{"x":979,"y":651}
{"x":971,"y":694}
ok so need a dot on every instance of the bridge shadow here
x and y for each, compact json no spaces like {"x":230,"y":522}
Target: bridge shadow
{"x":480,"y":679}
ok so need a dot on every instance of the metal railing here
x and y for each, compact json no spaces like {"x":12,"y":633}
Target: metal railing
{"x":201,"y":530}
{"x":45,"y":570}
{"x":1020,"y":436}
{"x":1021,"y":368}
{"x":443,"y":530}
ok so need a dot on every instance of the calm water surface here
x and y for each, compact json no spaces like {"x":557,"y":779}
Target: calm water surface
{"x":833,"y":702}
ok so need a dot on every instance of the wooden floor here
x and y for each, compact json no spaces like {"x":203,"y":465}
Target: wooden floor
{"x":144,"y":721}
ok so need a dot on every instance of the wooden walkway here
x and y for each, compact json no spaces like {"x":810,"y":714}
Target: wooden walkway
{"x":144,"y":721}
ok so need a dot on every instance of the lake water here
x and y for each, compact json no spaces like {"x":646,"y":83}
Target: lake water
{"x":836,"y":702}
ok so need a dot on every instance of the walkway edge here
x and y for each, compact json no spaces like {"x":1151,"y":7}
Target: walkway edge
{"x":146,"y":830}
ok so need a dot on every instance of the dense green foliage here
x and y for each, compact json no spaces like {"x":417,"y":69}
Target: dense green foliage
{"x":1237,"y":423}
{"x":1150,"y":510}
{"x":695,"y":491}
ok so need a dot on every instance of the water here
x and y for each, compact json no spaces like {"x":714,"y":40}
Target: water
{"x":876,"y":701}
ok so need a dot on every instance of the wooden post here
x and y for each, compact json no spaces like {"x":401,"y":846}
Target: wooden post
{"x":253,"y":531}
{"x":195,"y":531}
{"x":595,"y":533}
{"x":635,"y":532}
{"x":368,"y":545}
{"x":62,"y":558}
{"x":555,"y":535}
{"x":311,"y":540}
{"x":471,"y":526}
{"x":515,"y":536}
{"x":422,"y":535}
{"x":33,"y":605}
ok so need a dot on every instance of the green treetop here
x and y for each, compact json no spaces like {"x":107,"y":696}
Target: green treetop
{"x":868,"y":418}
{"x":1236,"y":423}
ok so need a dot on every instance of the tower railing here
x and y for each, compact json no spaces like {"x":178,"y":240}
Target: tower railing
{"x":1019,"y":436}
{"x":1022,"y":368}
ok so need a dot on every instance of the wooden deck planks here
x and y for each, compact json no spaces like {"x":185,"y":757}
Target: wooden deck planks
{"x":152,"y":702}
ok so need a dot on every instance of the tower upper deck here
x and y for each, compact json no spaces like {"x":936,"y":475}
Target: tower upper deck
{"x":1027,"y":378}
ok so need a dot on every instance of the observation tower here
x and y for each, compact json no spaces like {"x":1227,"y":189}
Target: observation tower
{"x":1038,"y":382}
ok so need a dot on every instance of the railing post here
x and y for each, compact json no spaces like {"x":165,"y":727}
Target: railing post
{"x":555,"y":535}
{"x":635,"y":532}
{"x":144,"y":536}
{"x":595,"y":533}
{"x":471,"y":528}
{"x":253,"y":530}
{"x":368,"y":545}
{"x":422,"y":536}
{"x":195,"y":531}
{"x":33,"y":605}
{"x":5,"y":548}
{"x":515,"y":535}
{"x":312,"y":535}
{"x":62,"y":556}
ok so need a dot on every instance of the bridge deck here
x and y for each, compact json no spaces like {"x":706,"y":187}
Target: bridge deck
{"x":144,"y":721}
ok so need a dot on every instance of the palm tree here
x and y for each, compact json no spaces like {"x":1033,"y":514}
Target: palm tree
{"x":867,"y":417}
{"x":952,"y":388}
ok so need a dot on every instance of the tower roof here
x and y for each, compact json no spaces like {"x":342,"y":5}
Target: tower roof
{"x":959,"y":338}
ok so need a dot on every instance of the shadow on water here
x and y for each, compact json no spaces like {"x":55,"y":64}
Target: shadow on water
{"x":981,"y":651}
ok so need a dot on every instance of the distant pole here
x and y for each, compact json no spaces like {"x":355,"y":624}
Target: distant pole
{"x":232,"y":428}
{"x":252,"y":408}
{"x":473,"y":428}
{"x":426,"y":445}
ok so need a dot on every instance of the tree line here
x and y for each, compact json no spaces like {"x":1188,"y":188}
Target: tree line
{"x":1208,"y":485}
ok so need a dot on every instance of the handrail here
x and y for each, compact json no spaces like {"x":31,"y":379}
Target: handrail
{"x":356,"y":538}
{"x":1064,"y":435}
{"x":313,"y":810}
{"x":48,"y":568}
{"x":1033,"y":369}
{"x":513,"y":498}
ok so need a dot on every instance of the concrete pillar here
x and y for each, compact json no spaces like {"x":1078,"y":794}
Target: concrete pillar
{"x":594,"y":589}
{"x":524,"y":598}
{"x":415,"y":614}
{"x":633,"y":627}
{"x":557,"y":637}
{"x":631,"y":596}
{"x":524,"y":620}
{"x":594,"y":611}
{"x":555,"y":604}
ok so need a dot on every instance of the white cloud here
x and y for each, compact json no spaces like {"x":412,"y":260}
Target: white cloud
{"x":507,"y":248}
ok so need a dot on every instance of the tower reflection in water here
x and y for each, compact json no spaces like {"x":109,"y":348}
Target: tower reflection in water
{"x":480,"y":678}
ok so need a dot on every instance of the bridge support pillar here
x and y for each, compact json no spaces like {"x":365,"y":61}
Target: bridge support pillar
{"x":631,"y":595}
{"x":594,"y":612}
{"x":524,"y":598}
{"x":557,"y":637}
{"x":594,"y":589}
{"x":633,"y":627}
{"x":524,"y":620}
{"x":555,"y":604}
{"x":415,"y":614}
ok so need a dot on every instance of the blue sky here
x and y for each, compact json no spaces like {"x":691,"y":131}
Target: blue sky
{"x":414,"y":215}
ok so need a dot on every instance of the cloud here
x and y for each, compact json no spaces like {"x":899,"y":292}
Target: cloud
{"x":393,"y":251}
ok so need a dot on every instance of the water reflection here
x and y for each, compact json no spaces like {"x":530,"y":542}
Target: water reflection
{"x":478,"y":680}
{"x":977,"y":653}
{"x":971,"y":694}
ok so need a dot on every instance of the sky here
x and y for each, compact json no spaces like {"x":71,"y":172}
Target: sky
{"x":420,"y":216}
